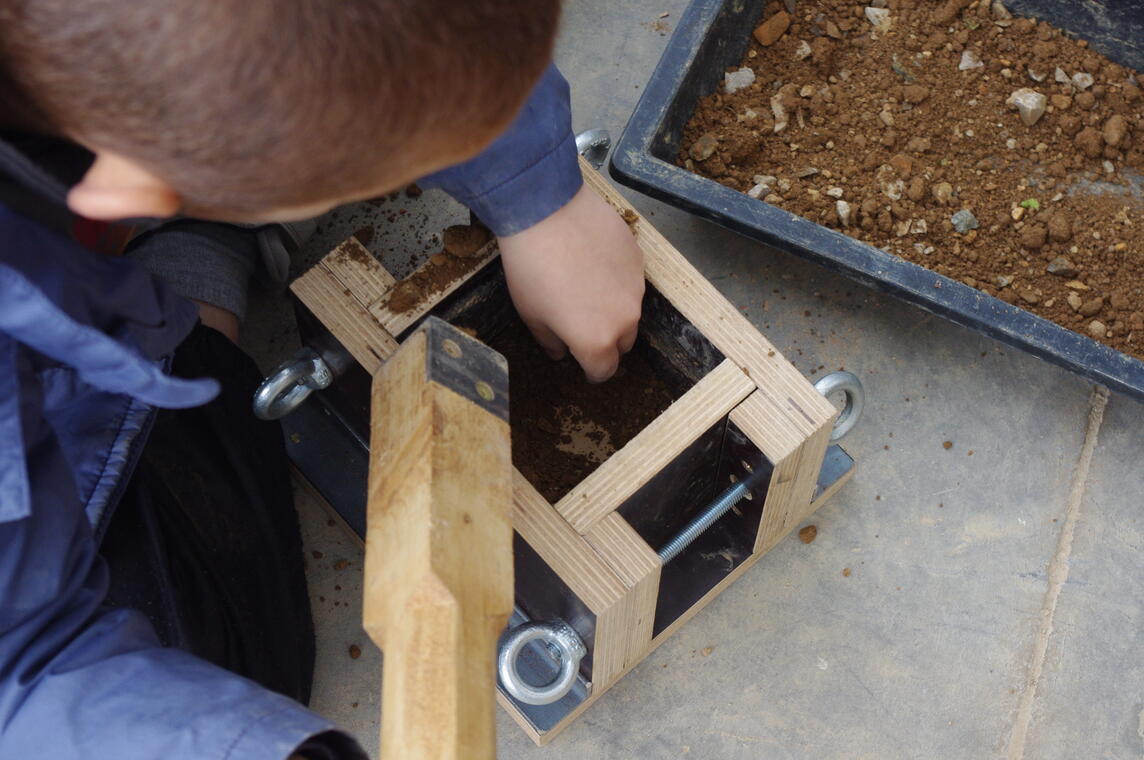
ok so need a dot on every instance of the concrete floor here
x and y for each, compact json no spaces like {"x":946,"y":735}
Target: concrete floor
{"x":995,"y":605}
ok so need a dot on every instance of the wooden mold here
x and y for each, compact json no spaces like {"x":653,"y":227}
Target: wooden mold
{"x":591,"y":558}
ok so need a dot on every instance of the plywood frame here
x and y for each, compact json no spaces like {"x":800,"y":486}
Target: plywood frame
{"x":583,"y":538}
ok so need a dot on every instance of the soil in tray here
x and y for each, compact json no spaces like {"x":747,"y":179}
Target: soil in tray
{"x":898,"y":126}
{"x":563,"y":427}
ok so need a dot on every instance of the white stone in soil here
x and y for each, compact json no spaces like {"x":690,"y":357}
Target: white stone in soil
{"x":835,"y":192}
{"x":842,"y":208}
{"x":1082,"y":80}
{"x":779,"y":112}
{"x":970,"y":60}
{"x":759,"y":190}
{"x":1060,"y":76}
{"x":737,"y":80}
{"x":894,"y":190}
{"x":802,"y":51}
{"x":964,"y":221}
{"x":1029,"y":103}
{"x":879,"y":17}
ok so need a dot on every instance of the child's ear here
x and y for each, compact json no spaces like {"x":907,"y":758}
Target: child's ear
{"x":116,"y":187}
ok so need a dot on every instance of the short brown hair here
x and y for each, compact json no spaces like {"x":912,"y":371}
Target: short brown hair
{"x":274,"y":100}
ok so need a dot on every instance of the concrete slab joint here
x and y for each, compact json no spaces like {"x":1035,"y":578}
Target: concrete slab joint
{"x":1058,"y":575}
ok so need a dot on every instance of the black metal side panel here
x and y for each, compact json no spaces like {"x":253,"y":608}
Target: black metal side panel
{"x":726,"y":544}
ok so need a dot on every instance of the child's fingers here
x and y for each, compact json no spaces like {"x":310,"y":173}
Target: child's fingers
{"x":628,"y":339}
{"x":601,"y":359}
{"x":599,"y":365}
{"x":548,"y":340}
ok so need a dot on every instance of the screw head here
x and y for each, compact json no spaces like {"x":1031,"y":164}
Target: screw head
{"x":451,"y":348}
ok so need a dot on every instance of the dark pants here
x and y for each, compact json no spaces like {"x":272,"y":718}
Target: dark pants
{"x":205,"y":540}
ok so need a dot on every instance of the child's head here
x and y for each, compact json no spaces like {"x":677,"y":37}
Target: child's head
{"x":254,"y":110}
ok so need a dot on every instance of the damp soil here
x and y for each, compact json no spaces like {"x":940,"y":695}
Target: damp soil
{"x":466,"y":240}
{"x":564,"y":427}
{"x":886,"y":122}
{"x":462,"y":245}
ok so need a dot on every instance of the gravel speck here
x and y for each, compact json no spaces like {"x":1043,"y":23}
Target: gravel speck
{"x":964,"y":221}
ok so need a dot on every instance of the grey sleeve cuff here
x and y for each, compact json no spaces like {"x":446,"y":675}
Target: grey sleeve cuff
{"x":204,"y":261}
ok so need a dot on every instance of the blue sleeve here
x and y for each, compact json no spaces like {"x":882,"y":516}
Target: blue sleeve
{"x":78,"y":680}
{"x":528,"y":172}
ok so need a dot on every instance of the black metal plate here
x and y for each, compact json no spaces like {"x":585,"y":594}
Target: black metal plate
{"x":726,"y":544}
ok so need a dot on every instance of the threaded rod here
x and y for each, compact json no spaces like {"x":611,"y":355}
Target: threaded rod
{"x":704,"y":520}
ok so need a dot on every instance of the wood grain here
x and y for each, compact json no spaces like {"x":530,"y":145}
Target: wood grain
{"x":345,"y":317}
{"x":438,"y":585}
{"x":624,"y":631}
{"x":623,"y":473}
{"x":796,"y":470}
{"x":357,"y":269}
{"x":567,"y":552}
{"x":795,"y":407}
{"x":397,"y":322}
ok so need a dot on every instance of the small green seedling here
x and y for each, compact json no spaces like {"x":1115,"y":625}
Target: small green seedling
{"x":1032,"y":204}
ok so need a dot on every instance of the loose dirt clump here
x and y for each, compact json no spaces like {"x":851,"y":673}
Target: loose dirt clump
{"x":991,"y":149}
{"x":364,"y":235}
{"x":462,"y":245}
{"x":466,"y":240}
{"x":563,"y":427}
{"x":438,"y":273}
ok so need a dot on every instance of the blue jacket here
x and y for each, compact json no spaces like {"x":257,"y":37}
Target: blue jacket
{"x":84,"y":340}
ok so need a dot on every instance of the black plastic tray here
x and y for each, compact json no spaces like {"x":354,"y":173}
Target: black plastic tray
{"x":712,"y":35}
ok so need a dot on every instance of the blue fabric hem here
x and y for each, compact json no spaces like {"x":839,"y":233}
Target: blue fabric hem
{"x":548,"y":185}
{"x":277,"y":733}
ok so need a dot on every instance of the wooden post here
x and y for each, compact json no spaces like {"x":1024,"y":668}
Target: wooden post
{"x":438,"y":566}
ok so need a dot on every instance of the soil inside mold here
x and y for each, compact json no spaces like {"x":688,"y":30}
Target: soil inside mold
{"x":563,"y":427}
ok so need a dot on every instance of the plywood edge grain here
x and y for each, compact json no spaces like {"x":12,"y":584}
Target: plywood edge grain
{"x":796,"y":403}
{"x":622,"y":474}
{"x":345,"y":317}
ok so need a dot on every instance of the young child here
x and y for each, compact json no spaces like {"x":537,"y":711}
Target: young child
{"x":115,"y":518}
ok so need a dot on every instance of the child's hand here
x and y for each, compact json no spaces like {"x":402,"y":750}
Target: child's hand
{"x":576,"y":279}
